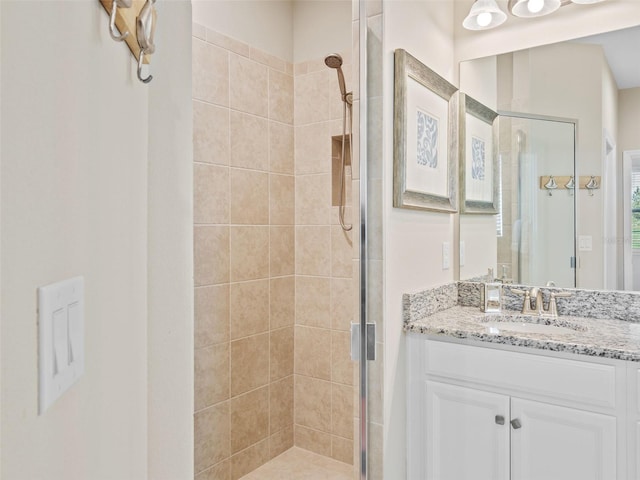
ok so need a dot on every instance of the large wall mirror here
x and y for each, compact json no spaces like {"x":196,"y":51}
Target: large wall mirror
{"x":569,"y":164}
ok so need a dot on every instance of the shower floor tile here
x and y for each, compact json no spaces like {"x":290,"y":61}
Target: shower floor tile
{"x":299,"y":464}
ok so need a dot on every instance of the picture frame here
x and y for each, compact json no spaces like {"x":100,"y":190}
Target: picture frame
{"x":425,"y":138}
{"x":479,"y":168}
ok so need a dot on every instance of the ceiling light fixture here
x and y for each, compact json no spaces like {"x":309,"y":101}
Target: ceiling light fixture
{"x":484,"y":14}
{"x":533,"y":8}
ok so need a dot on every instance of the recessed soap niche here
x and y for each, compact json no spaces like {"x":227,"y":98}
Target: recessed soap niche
{"x":336,"y":166}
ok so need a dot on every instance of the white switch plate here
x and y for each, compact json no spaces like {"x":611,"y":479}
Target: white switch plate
{"x":60,"y":338}
{"x":585,"y":243}
{"x":446,"y":255}
{"x":463,"y":253}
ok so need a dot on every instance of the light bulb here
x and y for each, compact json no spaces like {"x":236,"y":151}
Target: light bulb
{"x":535,"y":6}
{"x":484,"y":19}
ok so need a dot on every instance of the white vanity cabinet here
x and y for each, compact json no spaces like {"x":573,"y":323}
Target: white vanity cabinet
{"x":486,"y":413}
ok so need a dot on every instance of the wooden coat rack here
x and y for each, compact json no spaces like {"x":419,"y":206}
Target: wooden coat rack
{"x":126,"y":22}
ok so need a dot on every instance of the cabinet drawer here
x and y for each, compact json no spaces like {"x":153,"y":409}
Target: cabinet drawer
{"x":581,"y":382}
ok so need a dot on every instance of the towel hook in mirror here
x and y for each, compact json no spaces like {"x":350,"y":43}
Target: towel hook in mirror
{"x":592,"y":185}
{"x":145,"y":28}
{"x":112,"y":19}
{"x":570,"y":185}
{"x":551,"y":185}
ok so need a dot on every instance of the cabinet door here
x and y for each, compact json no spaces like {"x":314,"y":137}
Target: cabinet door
{"x":465,"y":440}
{"x":558,"y":443}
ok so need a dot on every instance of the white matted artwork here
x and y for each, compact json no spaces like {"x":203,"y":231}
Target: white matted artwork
{"x":478,"y":159}
{"x":426,"y":140}
{"x":425,"y":137}
{"x":478,"y":165}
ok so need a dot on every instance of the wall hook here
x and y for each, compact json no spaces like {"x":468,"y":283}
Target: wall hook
{"x":113,"y":31}
{"x":145,"y":28}
{"x":570,"y":185}
{"x":592,"y":185}
{"x":551,"y":185}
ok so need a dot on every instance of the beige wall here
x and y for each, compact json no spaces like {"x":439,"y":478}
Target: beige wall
{"x":320,"y":28}
{"x":628,"y":118}
{"x":76,"y":186}
{"x":244,"y":255}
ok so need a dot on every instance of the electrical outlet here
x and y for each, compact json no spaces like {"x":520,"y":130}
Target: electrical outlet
{"x":446,"y":255}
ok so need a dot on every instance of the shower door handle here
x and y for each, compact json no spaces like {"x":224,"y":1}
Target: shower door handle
{"x":355,"y":341}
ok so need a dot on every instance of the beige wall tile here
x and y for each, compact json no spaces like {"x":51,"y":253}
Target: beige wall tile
{"x":313,"y":199}
{"x":312,"y":403}
{"x":210,"y":133}
{"x":313,"y":301}
{"x":211,"y":436}
{"x":341,"y":252}
{"x":376,"y":464}
{"x":211,"y":255}
{"x":249,"y":459}
{"x":313,"y":250}
{"x":281,"y":353}
{"x":198,"y":31}
{"x":312,"y":440}
{"x":312,"y":97}
{"x":221,"y":471}
{"x":249,"y":307}
{"x":376,"y":381}
{"x":249,"y":419}
{"x":281,"y":148}
{"x":282,"y":302}
{"x":341,"y":303}
{"x":282,"y":254}
{"x":342,"y":410}
{"x":210,"y":73}
{"x":313,"y":149}
{"x":211,"y":194}
{"x":282,"y":199}
{"x":342,"y":449}
{"x":281,"y":441}
{"x":228,"y":43}
{"x":249,"y":141}
{"x":281,"y":404}
{"x":211,"y":375}
{"x":211,"y":315}
{"x":249,"y":197}
{"x":249,"y":363}
{"x":267,"y":59}
{"x":280,"y":97}
{"x":249,"y":253}
{"x":311,"y":347}
{"x":300,"y":69}
{"x":248,"y":89}
{"x":341,"y":364}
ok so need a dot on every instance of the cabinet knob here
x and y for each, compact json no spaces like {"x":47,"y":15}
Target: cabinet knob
{"x":499,"y":419}
{"x":515,"y":423}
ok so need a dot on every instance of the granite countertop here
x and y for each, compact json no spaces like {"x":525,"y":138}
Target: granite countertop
{"x":614,"y":339}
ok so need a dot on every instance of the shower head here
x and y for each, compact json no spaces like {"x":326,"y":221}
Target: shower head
{"x":335,"y":61}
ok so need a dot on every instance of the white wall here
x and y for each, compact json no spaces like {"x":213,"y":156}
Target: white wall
{"x":413,"y":239}
{"x":264,"y":24}
{"x":628,"y":119}
{"x":170,"y":248}
{"x":75,"y":201}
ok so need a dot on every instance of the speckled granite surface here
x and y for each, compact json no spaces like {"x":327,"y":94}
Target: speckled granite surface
{"x":598,"y":338}
{"x":611,"y":319}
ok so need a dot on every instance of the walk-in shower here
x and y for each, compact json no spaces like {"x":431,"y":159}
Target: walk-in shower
{"x":335,"y":61}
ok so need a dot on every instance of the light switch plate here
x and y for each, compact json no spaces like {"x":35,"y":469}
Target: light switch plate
{"x":60,"y":338}
{"x":585,"y":243}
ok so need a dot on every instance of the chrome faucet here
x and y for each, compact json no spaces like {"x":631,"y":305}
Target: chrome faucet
{"x":536,"y":293}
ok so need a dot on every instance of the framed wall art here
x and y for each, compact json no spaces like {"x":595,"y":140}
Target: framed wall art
{"x":479,"y":173}
{"x":425,"y":139}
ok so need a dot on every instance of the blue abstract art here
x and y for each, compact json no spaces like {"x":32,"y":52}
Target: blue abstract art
{"x":427,"y":140}
{"x":477,"y":158}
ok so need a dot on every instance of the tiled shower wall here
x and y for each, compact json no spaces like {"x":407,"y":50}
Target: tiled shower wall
{"x":271,"y":261}
{"x":324,"y":383}
{"x":244,"y":209}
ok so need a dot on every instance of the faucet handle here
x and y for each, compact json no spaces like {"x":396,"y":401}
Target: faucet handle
{"x":526,"y":304}
{"x":553,"y":306}
{"x":517,"y":291}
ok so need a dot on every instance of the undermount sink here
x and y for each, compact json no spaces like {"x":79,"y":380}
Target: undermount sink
{"x":495,"y":324}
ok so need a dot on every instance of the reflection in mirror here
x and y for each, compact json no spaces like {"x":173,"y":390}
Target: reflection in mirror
{"x":595,"y":82}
